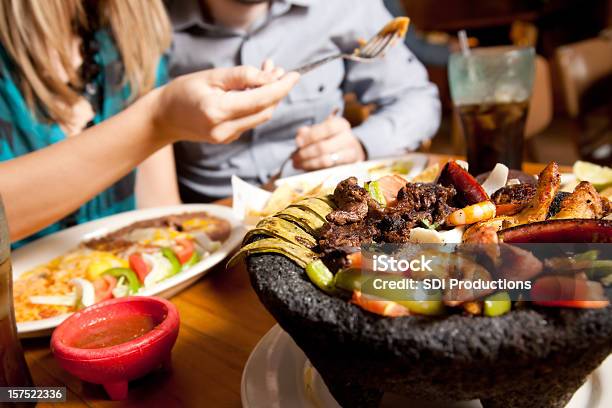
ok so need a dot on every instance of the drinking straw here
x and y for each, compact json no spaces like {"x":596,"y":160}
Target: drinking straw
{"x":465,"y":50}
{"x":463,"y":43}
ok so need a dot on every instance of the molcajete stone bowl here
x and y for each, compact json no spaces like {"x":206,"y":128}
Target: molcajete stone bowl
{"x":532,"y":357}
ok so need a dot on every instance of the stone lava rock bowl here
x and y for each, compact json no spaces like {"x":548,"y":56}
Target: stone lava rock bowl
{"x":532,"y":357}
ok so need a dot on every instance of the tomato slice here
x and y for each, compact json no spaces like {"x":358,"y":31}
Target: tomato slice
{"x":576,"y":304}
{"x":379,"y":307}
{"x":104,"y":286}
{"x":138,"y":265}
{"x":184,"y":250}
{"x":390,"y":186}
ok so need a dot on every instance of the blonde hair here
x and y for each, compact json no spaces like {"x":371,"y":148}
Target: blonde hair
{"x":36,"y":32}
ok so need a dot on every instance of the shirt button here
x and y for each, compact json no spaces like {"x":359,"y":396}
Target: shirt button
{"x":321,"y":88}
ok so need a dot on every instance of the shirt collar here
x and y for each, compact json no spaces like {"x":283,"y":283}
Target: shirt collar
{"x":184,"y":13}
{"x":187,"y":13}
{"x":301,"y":3}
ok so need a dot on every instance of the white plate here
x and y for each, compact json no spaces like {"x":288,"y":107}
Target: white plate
{"x":43,"y":250}
{"x":334,"y":175}
{"x":248,"y":198}
{"x":278,"y":374}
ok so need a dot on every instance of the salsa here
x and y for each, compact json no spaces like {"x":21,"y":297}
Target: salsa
{"x":113,"y":332}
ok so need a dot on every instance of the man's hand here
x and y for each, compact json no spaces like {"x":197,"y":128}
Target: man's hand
{"x":327,"y":144}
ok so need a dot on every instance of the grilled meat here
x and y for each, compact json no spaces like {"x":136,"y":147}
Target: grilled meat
{"x":520,"y":194}
{"x":466,"y":269}
{"x":555,"y":206}
{"x":517,"y":263}
{"x":360,"y":219}
{"x":395,"y":226}
{"x":512,"y":199}
{"x":417,"y":202}
{"x":339,"y":236}
{"x":606,"y":206}
{"x":484,"y":232}
{"x":537,"y":209}
{"x":584,"y":202}
{"x":468,"y":190}
{"x":576,"y":231}
{"x":353,"y":203}
{"x":428,"y":197}
{"x":515,"y":198}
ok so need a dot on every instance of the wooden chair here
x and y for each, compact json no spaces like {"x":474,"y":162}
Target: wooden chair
{"x":540,"y":112}
{"x":585,"y":71}
{"x":541,"y":104}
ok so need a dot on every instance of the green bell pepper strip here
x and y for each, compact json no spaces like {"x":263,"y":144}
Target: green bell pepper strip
{"x":418,"y":301}
{"x":171,"y":257}
{"x":131,"y":277}
{"x":497,"y":304}
{"x":587,"y":256}
{"x":373,"y":187}
{"x":424,"y":307}
{"x":350,"y":279}
{"x":320,"y":275}
{"x":424,"y":302}
{"x":195,"y":258}
{"x":596,"y":269}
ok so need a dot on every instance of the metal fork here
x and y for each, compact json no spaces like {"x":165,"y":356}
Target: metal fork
{"x":270,"y":185}
{"x":369,"y":51}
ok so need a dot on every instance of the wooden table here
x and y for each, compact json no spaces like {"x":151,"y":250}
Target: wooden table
{"x":221,"y":322}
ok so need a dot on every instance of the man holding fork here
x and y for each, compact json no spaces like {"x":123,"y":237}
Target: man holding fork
{"x":220,"y":33}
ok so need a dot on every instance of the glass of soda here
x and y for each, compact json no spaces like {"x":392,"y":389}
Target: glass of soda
{"x":491,"y":88}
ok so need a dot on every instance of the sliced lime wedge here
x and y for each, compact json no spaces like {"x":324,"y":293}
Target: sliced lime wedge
{"x":599,"y":176}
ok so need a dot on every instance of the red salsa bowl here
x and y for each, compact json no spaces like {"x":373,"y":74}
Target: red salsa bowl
{"x":116,"y":341}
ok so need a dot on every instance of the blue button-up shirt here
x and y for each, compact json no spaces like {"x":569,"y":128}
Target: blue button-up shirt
{"x":293,"y":33}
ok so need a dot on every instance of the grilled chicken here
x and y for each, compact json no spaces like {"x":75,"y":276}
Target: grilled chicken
{"x":484,"y":232}
{"x":548,"y":184}
{"x":584,"y":202}
{"x":536,"y":210}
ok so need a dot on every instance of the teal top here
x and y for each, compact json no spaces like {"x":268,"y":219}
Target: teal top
{"x":21,"y":132}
